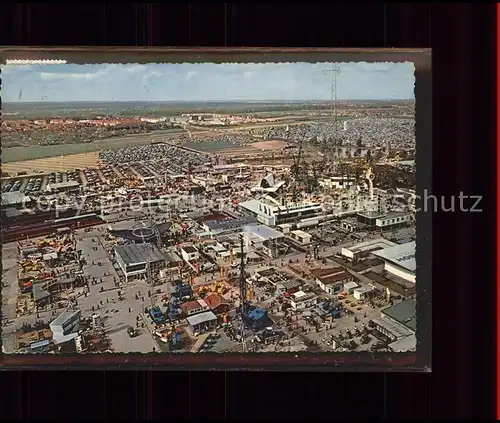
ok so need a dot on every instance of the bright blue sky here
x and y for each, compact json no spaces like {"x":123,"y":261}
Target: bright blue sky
{"x":206,"y":82}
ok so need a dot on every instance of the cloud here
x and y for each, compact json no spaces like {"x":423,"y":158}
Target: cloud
{"x":54,"y":76}
{"x":207,"y":81}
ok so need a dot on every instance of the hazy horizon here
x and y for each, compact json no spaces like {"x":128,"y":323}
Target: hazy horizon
{"x":207,"y":82}
{"x":208,"y":101}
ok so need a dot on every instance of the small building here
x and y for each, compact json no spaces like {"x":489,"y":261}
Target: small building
{"x":363,"y":292}
{"x":384,"y":221}
{"x":262,"y":238}
{"x":190,"y":253}
{"x":292,"y":285}
{"x":219,"y":251}
{"x":302,"y":300}
{"x":139,"y":260}
{"x":217,"y":303}
{"x":349,"y":288}
{"x":202,"y":322}
{"x":332,"y":280}
{"x":15,"y":200}
{"x":285,"y":228}
{"x":66,"y":323}
{"x":301,"y":237}
{"x":63,"y":186}
{"x":191,"y":308}
{"x":393,"y":220}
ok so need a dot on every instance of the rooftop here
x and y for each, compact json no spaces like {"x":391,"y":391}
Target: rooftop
{"x":189,"y":249}
{"x":200,"y":318}
{"x":396,"y":329}
{"x":139,"y":253}
{"x":370,"y":245}
{"x":350,"y":285}
{"x":291,"y":284}
{"x":364,"y":289}
{"x":214,"y":300}
{"x":228,"y":223}
{"x":408,"y":343}
{"x":331,"y":275}
{"x":12,"y":198}
{"x":263,"y":231}
{"x":403,"y":255}
{"x":64,"y":317}
{"x":300,"y":233}
{"x":303,"y":296}
{"x":193,"y":305}
{"x":404,"y":313}
{"x":172,"y":257}
{"x":68,"y":184}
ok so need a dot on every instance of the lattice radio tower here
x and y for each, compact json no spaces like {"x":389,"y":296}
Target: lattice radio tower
{"x":243,"y":294}
{"x":328,"y":147}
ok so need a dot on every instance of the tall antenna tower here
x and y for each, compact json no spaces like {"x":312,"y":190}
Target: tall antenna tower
{"x":157,"y":234}
{"x":327,"y":149}
{"x":243,"y":294}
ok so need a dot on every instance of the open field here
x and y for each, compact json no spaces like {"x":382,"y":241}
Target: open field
{"x":85,"y":109}
{"x":53,"y":164}
{"x":270,"y":145}
{"x":15,"y":154}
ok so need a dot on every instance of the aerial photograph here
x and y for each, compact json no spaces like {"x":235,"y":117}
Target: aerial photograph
{"x":208,"y":208}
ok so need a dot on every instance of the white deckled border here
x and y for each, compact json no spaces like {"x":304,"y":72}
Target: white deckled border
{"x":35,"y":62}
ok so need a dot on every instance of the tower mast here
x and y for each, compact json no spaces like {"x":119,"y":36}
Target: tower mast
{"x":327,"y":149}
{"x":243,"y":294}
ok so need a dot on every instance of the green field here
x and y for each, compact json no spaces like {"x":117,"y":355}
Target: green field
{"x":16,"y":154}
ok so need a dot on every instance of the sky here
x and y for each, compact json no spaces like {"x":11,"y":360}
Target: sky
{"x":206,"y":82}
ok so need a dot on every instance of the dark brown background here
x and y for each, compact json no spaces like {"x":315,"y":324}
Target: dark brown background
{"x":463,"y":40}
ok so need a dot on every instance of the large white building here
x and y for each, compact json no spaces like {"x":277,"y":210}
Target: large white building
{"x":272,"y":212}
{"x":400,"y":260}
{"x":364,"y":249}
{"x":260,"y":237}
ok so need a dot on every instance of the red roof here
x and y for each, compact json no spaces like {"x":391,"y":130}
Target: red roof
{"x":190,"y":305}
{"x":215,"y":300}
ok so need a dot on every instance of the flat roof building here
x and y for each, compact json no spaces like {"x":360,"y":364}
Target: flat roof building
{"x":364,"y":249}
{"x":67,"y":322}
{"x":202,"y":322}
{"x":272,"y":212}
{"x":399,"y":324}
{"x":403,"y":313}
{"x":262,"y":238}
{"x":14,"y":199}
{"x":139,"y":260}
{"x":400,"y":260}
{"x":62,"y":186}
{"x":216,"y":227}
